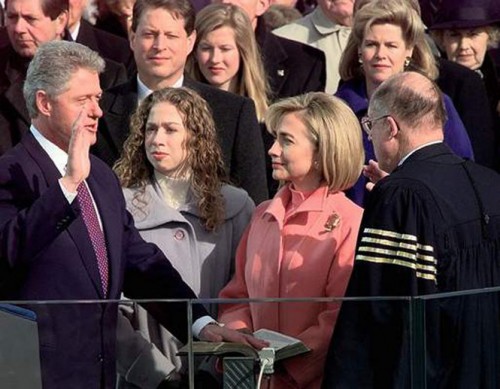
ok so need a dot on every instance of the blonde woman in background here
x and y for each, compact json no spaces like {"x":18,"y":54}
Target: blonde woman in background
{"x":388,"y":37}
{"x":226,"y":54}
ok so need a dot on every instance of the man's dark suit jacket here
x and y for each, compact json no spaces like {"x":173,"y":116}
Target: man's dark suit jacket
{"x":235,"y":119}
{"x":4,"y":37}
{"x":468,"y":93}
{"x":46,"y":254}
{"x":110,"y":23}
{"x":107,"y":45}
{"x":292,"y":67}
{"x":14,"y":117}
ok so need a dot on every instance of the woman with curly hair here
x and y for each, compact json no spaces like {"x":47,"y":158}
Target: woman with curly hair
{"x":174,"y":184}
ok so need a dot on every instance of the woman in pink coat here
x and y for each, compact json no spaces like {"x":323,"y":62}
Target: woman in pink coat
{"x":301,"y":243}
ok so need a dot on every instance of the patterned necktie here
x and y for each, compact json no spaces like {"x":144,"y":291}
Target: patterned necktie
{"x":95,"y":233}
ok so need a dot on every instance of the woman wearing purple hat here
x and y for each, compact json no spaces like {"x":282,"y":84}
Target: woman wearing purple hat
{"x":465,"y":30}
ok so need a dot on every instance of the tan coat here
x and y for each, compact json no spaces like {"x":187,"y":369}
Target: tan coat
{"x":318,"y":31}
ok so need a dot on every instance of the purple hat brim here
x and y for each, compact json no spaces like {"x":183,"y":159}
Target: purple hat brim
{"x":463,"y":24}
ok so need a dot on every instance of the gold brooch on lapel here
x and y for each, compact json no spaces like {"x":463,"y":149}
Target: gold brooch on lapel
{"x":332,"y":222}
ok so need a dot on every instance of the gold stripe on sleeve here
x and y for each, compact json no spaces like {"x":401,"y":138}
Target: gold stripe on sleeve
{"x":389,"y":247}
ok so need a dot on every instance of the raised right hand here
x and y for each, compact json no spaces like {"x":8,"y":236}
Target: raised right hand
{"x":78,"y":166}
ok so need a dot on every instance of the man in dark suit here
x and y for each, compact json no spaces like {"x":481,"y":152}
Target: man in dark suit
{"x":162,"y":36}
{"x":108,"y":45}
{"x":24,"y":38}
{"x":4,"y":37}
{"x":293,"y":68}
{"x":65,"y":233}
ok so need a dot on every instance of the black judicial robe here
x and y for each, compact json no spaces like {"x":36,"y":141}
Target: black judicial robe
{"x":432,"y":226}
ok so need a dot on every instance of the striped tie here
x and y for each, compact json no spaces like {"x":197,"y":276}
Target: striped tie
{"x":95,"y":233}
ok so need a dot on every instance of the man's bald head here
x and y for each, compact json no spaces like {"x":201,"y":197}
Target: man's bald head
{"x":413,"y":114}
{"x":413,"y":99}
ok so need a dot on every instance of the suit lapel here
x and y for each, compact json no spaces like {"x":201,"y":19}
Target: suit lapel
{"x":14,"y":92}
{"x":47,"y":167}
{"x":125,"y":98}
{"x":76,"y":230}
{"x":118,"y":110}
{"x":274,"y":57}
{"x":86,"y":36}
{"x":189,"y":83}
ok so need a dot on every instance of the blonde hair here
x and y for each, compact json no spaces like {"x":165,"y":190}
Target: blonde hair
{"x":335,"y":131}
{"x":204,"y":153}
{"x":252,"y":81}
{"x":395,"y":12}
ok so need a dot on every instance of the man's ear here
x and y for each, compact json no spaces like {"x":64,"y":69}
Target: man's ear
{"x":191,"y":40}
{"x":393,"y":127}
{"x":61,"y":23}
{"x":262,"y":6}
{"x":131,"y":39}
{"x":43,"y":103}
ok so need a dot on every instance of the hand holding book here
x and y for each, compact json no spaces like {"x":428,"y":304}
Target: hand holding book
{"x":217,"y":333}
{"x":284,"y":346}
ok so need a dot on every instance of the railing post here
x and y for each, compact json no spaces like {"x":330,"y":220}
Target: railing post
{"x":190,"y":344}
{"x":417,"y":339}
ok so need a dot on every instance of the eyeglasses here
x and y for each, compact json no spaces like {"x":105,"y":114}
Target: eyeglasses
{"x":367,"y":123}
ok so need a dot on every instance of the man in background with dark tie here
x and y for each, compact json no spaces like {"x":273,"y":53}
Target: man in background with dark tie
{"x":65,"y":233}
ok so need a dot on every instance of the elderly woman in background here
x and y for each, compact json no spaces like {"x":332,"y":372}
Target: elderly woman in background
{"x":301,"y":243}
{"x":173,"y":178}
{"x":388,"y":38}
{"x":465,"y":30}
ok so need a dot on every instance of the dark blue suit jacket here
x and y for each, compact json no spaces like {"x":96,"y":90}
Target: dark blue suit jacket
{"x":46,"y":254}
